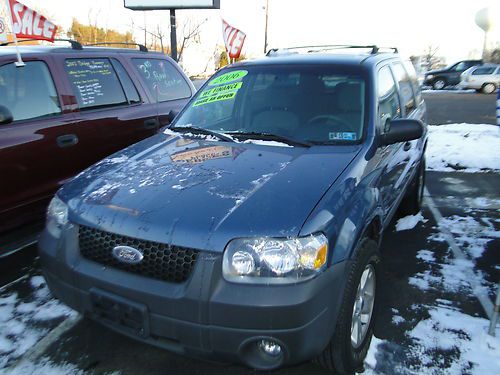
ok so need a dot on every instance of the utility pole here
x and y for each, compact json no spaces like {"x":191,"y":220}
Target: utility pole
{"x":265,"y":33}
{"x":173,"y":35}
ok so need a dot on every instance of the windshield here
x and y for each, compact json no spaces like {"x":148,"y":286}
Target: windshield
{"x":317,"y":105}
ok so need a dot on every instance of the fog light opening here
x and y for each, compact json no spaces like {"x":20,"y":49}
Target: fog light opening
{"x":270,"y":347}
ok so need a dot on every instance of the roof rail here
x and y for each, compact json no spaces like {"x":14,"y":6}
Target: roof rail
{"x":74,"y":43}
{"x":142,"y":47}
{"x":327,"y":47}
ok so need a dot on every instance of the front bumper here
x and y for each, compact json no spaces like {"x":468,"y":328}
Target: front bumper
{"x":205,"y":317}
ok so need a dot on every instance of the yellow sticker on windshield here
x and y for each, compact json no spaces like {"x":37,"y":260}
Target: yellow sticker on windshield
{"x":228,"y":77}
{"x":215,"y":98}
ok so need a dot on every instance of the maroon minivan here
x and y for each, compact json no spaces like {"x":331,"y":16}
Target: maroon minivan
{"x":67,"y":108}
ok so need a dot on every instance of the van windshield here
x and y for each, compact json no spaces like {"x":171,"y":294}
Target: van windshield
{"x":308,"y":104}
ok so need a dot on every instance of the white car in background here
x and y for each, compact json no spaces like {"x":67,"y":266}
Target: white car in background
{"x":484,"y":78}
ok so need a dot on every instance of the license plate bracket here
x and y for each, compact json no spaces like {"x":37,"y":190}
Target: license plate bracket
{"x":120,"y":312}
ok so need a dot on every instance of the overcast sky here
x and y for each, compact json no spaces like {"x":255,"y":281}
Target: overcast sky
{"x":409,"y":25}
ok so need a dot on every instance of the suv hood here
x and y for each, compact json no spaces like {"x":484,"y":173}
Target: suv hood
{"x":437,"y":71}
{"x":200,"y":194}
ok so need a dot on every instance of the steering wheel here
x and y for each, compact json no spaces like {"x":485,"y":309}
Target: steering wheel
{"x":328,"y":118}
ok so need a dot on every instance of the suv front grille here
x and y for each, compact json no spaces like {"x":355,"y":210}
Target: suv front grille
{"x":161,"y":261}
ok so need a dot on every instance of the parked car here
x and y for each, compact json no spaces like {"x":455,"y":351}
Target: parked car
{"x":485,"y":78}
{"x":449,"y":76}
{"x":249,"y":230}
{"x":67,"y":108}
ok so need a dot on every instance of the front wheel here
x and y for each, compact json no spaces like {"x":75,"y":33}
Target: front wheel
{"x":488,"y":88}
{"x":349,"y":345}
{"x":439,"y":84}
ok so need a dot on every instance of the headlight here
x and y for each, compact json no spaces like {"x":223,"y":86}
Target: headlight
{"x":57,"y":216}
{"x":428,"y":77}
{"x":276,"y":261}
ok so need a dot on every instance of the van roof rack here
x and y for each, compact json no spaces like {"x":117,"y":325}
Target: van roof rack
{"x":74,"y":43}
{"x":142,"y":47}
{"x":329,"y":47}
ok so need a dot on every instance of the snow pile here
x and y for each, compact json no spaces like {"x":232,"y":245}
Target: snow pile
{"x":43,"y":367}
{"x":409,"y":222}
{"x":465,"y":147}
{"x":449,"y":330}
{"x":27,"y":319}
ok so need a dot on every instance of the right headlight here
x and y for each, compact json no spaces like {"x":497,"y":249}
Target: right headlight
{"x":274,"y":260}
{"x":57,"y":216}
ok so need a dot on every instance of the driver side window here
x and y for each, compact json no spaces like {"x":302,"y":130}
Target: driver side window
{"x":389,"y":107}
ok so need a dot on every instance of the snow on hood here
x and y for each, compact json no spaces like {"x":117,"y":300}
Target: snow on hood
{"x":200,"y":194}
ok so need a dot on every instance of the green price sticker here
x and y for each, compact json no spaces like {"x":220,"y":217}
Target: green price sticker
{"x":215,"y":98}
{"x":228,"y":77}
{"x":220,"y":89}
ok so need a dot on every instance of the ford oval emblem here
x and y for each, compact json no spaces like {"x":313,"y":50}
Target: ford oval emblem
{"x":127,"y":254}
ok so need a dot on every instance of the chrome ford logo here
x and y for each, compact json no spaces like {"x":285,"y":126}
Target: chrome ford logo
{"x":127,"y":254}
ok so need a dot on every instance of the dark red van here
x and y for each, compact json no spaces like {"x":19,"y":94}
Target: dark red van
{"x":67,"y":108}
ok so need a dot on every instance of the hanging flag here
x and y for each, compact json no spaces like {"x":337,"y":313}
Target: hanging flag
{"x":3,"y":30}
{"x":27,"y":23}
{"x":233,"y":39}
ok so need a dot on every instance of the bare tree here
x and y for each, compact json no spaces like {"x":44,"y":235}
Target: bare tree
{"x":190,"y":33}
{"x":430,"y":58}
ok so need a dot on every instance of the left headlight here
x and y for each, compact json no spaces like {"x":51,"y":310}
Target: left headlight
{"x":429,"y":76}
{"x":57,"y":216}
{"x":274,"y":260}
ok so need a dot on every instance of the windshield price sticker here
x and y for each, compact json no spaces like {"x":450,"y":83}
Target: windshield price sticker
{"x":221,"y":89}
{"x":228,"y":77}
{"x":215,"y":98}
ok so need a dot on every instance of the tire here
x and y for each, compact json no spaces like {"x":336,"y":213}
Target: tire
{"x":488,"y":88}
{"x":412,"y":201}
{"x":439,"y":84}
{"x":342,"y":356}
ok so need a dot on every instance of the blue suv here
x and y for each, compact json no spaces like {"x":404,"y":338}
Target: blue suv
{"x":248,"y":230}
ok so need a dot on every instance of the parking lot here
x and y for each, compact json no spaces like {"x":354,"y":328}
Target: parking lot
{"x":437,"y":280}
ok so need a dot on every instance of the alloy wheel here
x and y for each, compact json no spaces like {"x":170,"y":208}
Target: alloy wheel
{"x":363,"y":306}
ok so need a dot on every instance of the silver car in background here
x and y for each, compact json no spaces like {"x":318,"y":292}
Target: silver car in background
{"x":484,"y":78}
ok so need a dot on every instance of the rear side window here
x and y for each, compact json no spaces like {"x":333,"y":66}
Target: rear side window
{"x":163,"y":81}
{"x":405,"y":89}
{"x":28,"y":92}
{"x":410,"y":69}
{"x":95,"y":83}
{"x":388,"y":101}
{"x":483,"y":71}
{"x":127,"y":84}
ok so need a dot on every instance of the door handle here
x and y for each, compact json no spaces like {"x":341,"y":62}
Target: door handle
{"x":407,"y":146}
{"x":67,"y":140}
{"x":151,"y":123}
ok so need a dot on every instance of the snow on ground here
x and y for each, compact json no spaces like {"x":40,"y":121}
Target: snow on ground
{"x":465,"y":147}
{"x":463,"y":336}
{"x":409,"y":222}
{"x":26,"y":317}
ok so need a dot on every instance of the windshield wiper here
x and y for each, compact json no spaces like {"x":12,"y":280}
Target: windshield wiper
{"x":197,"y":130}
{"x":270,"y":137}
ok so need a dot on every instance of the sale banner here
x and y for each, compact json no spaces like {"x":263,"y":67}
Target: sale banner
{"x":233,"y":39}
{"x":27,"y":23}
{"x":3,"y":30}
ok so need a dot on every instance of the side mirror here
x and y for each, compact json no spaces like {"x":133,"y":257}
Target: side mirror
{"x":5,"y":116}
{"x":171,"y":115}
{"x":403,"y":130}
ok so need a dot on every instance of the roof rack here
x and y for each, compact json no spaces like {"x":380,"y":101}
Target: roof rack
{"x":142,"y":47}
{"x":328,"y":47}
{"x":74,"y":43}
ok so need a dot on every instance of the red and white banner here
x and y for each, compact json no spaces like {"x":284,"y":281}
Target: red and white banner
{"x":3,"y":30}
{"x":233,"y":39}
{"x":27,"y":23}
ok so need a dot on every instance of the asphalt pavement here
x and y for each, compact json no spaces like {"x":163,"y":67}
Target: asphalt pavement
{"x":90,"y":347}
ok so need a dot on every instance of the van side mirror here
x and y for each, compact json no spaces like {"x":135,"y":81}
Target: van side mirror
{"x":5,"y":115}
{"x":402,"y":130}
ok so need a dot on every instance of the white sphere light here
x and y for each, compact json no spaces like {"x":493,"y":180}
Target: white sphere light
{"x":486,"y":17}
